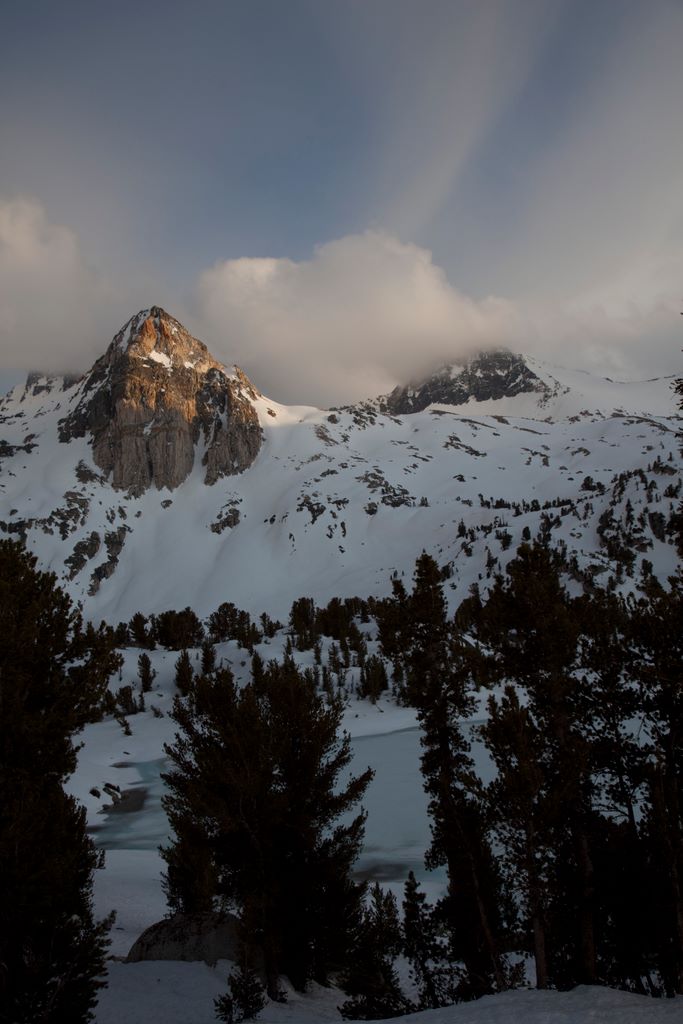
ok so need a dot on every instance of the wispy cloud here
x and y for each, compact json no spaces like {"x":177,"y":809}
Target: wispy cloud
{"x":57,"y":312}
{"x":604,"y":220}
{"x":48,"y":296}
{"x":451,"y":77}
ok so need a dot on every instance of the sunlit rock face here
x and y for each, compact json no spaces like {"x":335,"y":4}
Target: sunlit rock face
{"x":153,"y":398}
{"x":486,"y":376}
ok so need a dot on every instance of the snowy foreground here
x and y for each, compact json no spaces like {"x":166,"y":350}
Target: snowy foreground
{"x":182,"y":993}
{"x":163,"y":992}
{"x":397,"y":833}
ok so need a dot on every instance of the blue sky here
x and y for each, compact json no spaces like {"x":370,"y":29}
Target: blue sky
{"x":463,"y":172}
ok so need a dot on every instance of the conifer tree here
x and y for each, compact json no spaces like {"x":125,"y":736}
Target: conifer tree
{"x":208,"y":657}
{"x":184,"y":675}
{"x":373,"y":678}
{"x":622,"y":862}
{"x":656,"y":656}
{"x":246,"y":998}
{"x":437,"y":685}
{"x":371,"y":979}
{"x":423,"y":946}
{"x":139,"y":631}
{"x":51,"y":949}
{"x":254,"y":799}
{"x":534,"y":628}
{"x":517,"y":798}
{"x":146,"y":673}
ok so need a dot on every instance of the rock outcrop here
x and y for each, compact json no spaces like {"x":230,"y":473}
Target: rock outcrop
{"x":488,"y":375}
{"x":152,"y":397}
{"x":209,"y":937}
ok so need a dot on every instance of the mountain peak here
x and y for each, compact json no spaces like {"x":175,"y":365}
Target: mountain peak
{"x":494,"y":374}
{"x":149,"y":400}
{"x":153,"y":334}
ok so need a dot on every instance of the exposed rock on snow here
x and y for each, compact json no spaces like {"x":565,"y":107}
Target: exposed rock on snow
{"x":485,"y":377}
{"x":208,"y":937}
{"x":151,"y":397}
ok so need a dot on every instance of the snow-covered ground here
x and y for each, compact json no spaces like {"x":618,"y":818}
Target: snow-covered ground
{"x":335,"y":503}
{"x":183,"y":993}
{"x":397,"y":833}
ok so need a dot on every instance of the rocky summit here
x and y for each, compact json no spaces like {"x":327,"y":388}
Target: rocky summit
{"x":152,"y":398}
{"x":483,"y":377}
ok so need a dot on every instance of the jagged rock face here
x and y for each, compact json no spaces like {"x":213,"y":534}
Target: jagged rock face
{"x":150,"y":399}
{"x":489,"y":375}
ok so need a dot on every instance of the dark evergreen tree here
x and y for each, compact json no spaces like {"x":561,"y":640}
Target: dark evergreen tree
{"x":518,"y":801}
{"x":122,"y":635}
{"x":246,"y":998}
{"x":269,"y":626}
{"x":125,"y":701}
{"x":391,"y":616}
{"x":611,"y":703}
{"x":52,"y":952}
{"x":178,"y":630}
{"x":146,"y":673}
{"x":141,"y":632}
{"x":438,"y":680}
{"x":208,"y":658}
{"x":373,"y":679}
{"x":302,"y":623}
{"x":254,"y":800}
{"x":534,"y":628}
{"x":371,"y":979}
{"x":425,"y":947}
{"x":184,"y":674}
{"x":655,"y":659}
{"x":223,"y":622}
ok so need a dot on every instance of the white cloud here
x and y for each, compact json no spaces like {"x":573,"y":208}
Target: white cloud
{"x":51,"y":303}
{"x":365,"y":311}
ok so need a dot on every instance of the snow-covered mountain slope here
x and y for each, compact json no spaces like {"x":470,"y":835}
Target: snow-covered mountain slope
{"x":234,"y":497}
{"x":500,"y":382}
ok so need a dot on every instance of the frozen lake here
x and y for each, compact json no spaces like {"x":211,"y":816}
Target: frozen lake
{"x":397,"y":828}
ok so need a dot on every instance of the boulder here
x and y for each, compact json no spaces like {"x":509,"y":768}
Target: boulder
{"x":209,"y":937}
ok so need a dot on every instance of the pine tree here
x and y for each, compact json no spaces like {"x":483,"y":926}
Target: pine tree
{"x":437,"y":685}
{"x":424,"y":947}
{"x":142,"y":635}
{"x":146,"y":673}
{"x":254,"y":798}
{"x":624,"y":878}
{"x":184,"y":675}
{"x":655,"y":659}
{"x":373,"y":679}
{"x":533,"y":628}
{"x":517,"y":798}
{"x":246,"y":998}
{"x":371,"y":979}
{"x":51,"y":950}
{"x":208,"y":658}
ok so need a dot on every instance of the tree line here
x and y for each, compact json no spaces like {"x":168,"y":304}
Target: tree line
{"x":572,"y":856}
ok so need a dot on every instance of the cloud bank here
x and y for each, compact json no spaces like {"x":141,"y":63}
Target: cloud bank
{"x":368,"y":311}
{"x":51,"y":303}
{"x":365,"y":312}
